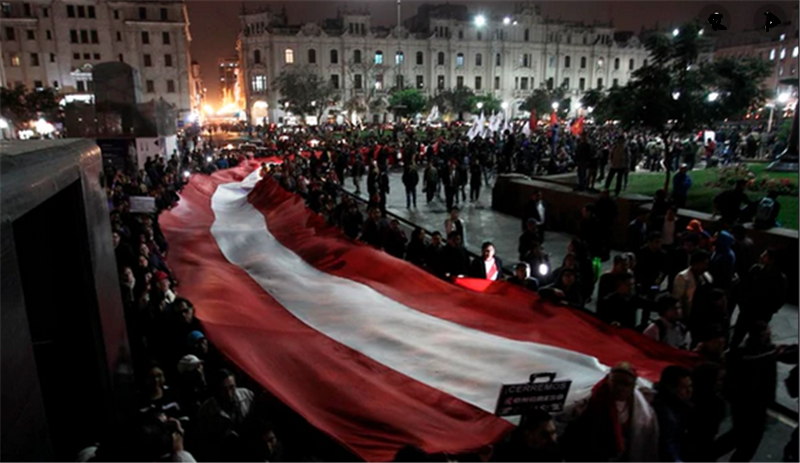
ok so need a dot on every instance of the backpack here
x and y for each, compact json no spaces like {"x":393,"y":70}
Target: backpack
{"x":764,"y":210}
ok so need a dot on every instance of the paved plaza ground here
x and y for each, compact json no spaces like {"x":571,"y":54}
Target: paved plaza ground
{"x":485,"y":224}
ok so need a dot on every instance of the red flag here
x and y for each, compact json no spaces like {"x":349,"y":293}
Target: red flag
{"x":553,"y":119}
{"x":577,"y":127}
{"x":532,"y":122}
{"x":336,"y":329}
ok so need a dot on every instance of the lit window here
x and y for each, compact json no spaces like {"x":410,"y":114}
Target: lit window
{"x":259,"y":84}
{"x":772,"y":54}
{"x":15,"y":60}
{"x":794,"y":52}
{"x":378,"y":57}
{"x":460,"y":60}
{"x":399,"y":57}
{"x":288,"y":56}
{"x":783,"y":53}
{"x":783,"y":37}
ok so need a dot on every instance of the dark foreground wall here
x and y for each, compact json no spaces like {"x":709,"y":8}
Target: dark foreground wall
{"x":66,"y":373}
{"x":513,"y":191}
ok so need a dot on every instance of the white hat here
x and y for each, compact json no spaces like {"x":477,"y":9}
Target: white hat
{"x":189,"y":363}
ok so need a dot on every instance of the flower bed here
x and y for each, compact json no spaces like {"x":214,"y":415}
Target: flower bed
{"x":729,"y":175}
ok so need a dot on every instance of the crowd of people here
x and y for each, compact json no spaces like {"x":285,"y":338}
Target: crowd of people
{"x":190,"y":402}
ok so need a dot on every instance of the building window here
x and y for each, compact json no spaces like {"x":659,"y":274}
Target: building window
{"x":76,"y":56}
{"x":97,"y":56}
{"x":357,"y":56}
{"x":119,"y":36}
{"x":794,"y":52}
{"x":567,"y":61}
{"x":615,"y":83}
{"x":526,"y":60}
{"x":582,"y":84}
{"x":523,"y":83}
{"x":142,"y":12}
{"x":148,"y":61}
{"x":358,"y":83}
{"x":565,"y":84}
{"x":516,"y":83}
{"x":460,"y":82}
{"x":49,"y":34}
{"x":600,"y":83}
{"x":630,"y":64}
{"x":121,"y":58}
{"x":259,"y":84}
{"x":95,"y":38}
{"x":460,"y":60}
{"x":550,"y":83}
{"x":312,"y":56}
{"x":81,"y":11}
{"x":644,"y":63}
{"x":38,"y":84}
{"x":116,"y":14}
{"x":616,"y":64}
{"x":31,"y":35}
{"x":498,"y":60}
{"x":399,"y":81}
{"x":497,"y":82}
{"x":440,"y":58}
{"x":52,"y":57}
{"x":91,"y":12}
{"x":772,"y":54}
{"x":55,"y":84}
{"x":84,"y":36}
{"x":257,"y":56}
{"x":600,"y":62}
{"x":151,"y":86}
{"x":165,"y":38}
{"x":480,"y":36}
{"x":478,"y":59}
{"x":783,"y":53}
{"x":421,"y":58}
{"x":420,"y":82}
{"x":46,"y":12}
{"x":168,"y":61}
{"x":379,"y":57}
{"x":71,"y":11}
{"x":334,"y":56}
{"x":170,"y":86}
{"x":478,"y":82}
{"x":10,"y":34}
{"x":145,"y":37}
{"x":288,"y":56}
{"x":82,"y":86}
{"x":527,"y":35}
{"x":164,"y":14}
{"x":335,"y":81}
{"x":440,"y":82}
{"x":583,"y":62}
{"x":87,"y":56}
{"x":34,"y":59}
{"x":399,"y":58}
{"x":379,"y":82}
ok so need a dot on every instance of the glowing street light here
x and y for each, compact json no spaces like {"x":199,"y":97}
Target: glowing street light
{"x":480,"y":105}
{"x":675,"y":32}
{"x":713,"y":96}
{"x":480,"y":20}
{"x":589,"y":110}
{"x":700,"y":32}
{"x":504,"y":105}
{"x":676,"y":95}
{"x":783,"y":98}
{"x":555,"y":106}
{"x":506,"y":21}
{"x":3,"y":124}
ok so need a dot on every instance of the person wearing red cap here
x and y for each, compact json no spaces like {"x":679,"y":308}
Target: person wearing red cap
{"x":616,"y":423}
{"x":164,"y":286}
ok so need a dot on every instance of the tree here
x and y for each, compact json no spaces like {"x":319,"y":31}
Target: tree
{"x":368,"y":97}
{"x":491,"y":104}
{"x":455,"y":101}
{"x":20,"y":106}
{"x":592,"y":98}
{"x":307,"y":92}
{"x":407,"y":102}
{"x":542,"y":99}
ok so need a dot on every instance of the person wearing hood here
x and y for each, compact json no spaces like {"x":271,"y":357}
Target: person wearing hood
{"x":522,"y":277}
{"x":723,"y":262}
{"x":534,"y":440}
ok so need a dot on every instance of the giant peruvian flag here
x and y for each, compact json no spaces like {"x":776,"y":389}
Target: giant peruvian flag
{"x":372,"y":350}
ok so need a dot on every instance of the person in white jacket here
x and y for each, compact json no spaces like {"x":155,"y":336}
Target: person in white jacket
{"x":687,"y":281}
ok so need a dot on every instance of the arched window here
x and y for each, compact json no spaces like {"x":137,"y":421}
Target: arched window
{"x":478,"y":59}
{"x":288,"y":56}
{"x":334,"y":56}
{"x":257,"y":57}
{"x":567,"y":61}
{"x":583,"y":62}
{"x":460,"y":60}
{"x":420,"y":58}
{"x":399,"y":58}
{"x":378,"y":57}
{"x":440,"y":58}
{"x":312,"y":56}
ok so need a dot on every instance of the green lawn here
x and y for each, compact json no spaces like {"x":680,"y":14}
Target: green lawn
{"x":701,"y":196}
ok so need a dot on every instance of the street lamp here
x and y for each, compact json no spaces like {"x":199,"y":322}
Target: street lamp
{"x":480,"y":105}
{"x":589,"y":110}
{"x":506,"y":21}
{"x":713,"y":96}
{"x":676,"y":95}
{"x":480,"y":20}
{"x":555,"y":106}
{"x":504,"y":105}
{"x":783,"y":97}
{"x":675,"y":32}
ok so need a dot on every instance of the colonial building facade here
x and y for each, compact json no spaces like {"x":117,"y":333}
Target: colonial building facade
{"x":56,"y":43}
{"x":442,"y":47}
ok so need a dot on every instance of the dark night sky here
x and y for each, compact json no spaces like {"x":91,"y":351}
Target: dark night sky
{"x":215,"y":24}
